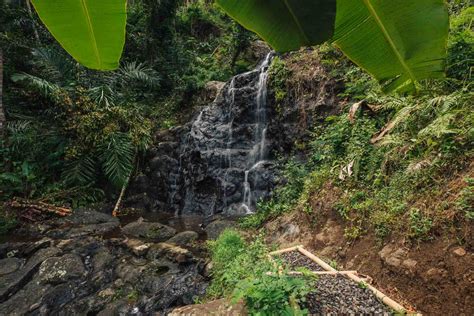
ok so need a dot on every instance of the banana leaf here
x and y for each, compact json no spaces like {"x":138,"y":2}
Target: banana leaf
{"x":399,"y":42}
{"x":91,"y":31}
{"x":285,"y":24}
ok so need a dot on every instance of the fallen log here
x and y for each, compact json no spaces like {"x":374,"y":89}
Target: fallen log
{"x":39,"y":207}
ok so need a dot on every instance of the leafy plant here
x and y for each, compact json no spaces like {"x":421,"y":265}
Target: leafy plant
{"x":276,"y":294}
{"x":240,"y":270}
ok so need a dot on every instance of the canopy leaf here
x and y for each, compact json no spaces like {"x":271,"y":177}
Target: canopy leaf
{"x":91,"y":31}
{"x":398,"y":42}
{"x":285,"y":24}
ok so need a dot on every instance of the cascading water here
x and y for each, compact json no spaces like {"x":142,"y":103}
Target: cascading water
{"x":258,"y":153}
{"x":220,"y":160}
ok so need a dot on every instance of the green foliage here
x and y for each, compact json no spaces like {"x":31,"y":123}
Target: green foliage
{"x":234,"y":260}
{"x":81,"y":126}
{"x":284,"y":198}
{"x":378,"y":187}
{"x":461,"y":44}
{"x":117,"y":158}
{"x":278,"y":74}
{"x":420,"y":225}
{"x":240,"y":269}
{"x":465,"y":202}
{"x":273,"y":295}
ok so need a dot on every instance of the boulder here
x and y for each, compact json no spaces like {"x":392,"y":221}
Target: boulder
{"x":183,"y":239}
{"x":212,"y":89}
{"x":171,"y":252}
{"x":151,"y":231}
{"x":57,"y":270}
{"x":12,"y":282}
{"x":215,"y":228}
{"x":218,"y":307}
{"x":392,"y":255}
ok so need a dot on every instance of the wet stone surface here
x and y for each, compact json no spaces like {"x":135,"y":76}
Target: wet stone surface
{"x":336,"y":295}
{"x":86,"y":274}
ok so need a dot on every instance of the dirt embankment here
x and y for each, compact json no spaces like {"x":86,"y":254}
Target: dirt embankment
{"x":433,"y":277}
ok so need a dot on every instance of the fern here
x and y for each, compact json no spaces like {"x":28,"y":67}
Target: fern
{"x":117,"y":158}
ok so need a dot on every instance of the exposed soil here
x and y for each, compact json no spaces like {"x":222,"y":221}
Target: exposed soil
{"x":434,"y":277}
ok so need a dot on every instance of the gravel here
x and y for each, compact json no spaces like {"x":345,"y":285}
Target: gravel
{"x":336,"y":295}
{"x":294,"y":259}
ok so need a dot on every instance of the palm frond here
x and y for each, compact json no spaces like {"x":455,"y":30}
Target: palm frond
{"x":81,"y":171}
{"x":117,"y":157}
{"x":133,"y":73}
{"x":56,"y":65}
{"x":20,"y":133}
{"x":42,"y":86}
{"x":103,"y":95}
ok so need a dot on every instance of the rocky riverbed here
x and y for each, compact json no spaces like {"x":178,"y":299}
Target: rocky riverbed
{"x":92,"y":264}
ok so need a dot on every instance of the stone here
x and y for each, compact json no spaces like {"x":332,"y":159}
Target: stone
{"x":410,"y":264}
{"x":11,"y":283}
{"x":392,"y":255}
{"x":84,"y":216}
{"x":172,"y":252}
{"x":214,"y":229}
{"x":459,"y":251}
{"x":434,"y":275}
{"x":57,"y":270}
{"x":218,"y":307}
{"x":212,"y":90}
{"x":183,"y":239}
{"x":137,"y":247}
{"x":151,"y":231}
{"x":9,"y":265}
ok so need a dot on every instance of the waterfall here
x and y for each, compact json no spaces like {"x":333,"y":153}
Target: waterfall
{"x":222,"y":151}
{"x":258,"y":153}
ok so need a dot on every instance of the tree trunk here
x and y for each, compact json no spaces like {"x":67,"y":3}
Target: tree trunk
{"x":2,"y":112}
{"x":30,"y":13}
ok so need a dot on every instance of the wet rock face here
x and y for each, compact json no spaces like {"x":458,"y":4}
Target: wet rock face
{"x":223,"y":160}
{"x":85,"y":274}
{"x":220,"y":162}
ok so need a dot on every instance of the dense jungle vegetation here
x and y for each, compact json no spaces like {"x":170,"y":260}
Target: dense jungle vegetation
{"x":74,"y":136}
{"x":85,"y":130}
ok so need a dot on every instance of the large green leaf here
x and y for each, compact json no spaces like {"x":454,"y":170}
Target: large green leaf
{"x":285,"y":24}
{"x":91,"y":31}
{"x":398,"y":41}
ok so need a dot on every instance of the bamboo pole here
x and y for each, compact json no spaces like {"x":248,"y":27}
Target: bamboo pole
{"x":318,"y":273}
{"x":323,"y":264}
{"x":279,"y":252}
{"x":384,"y":298}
